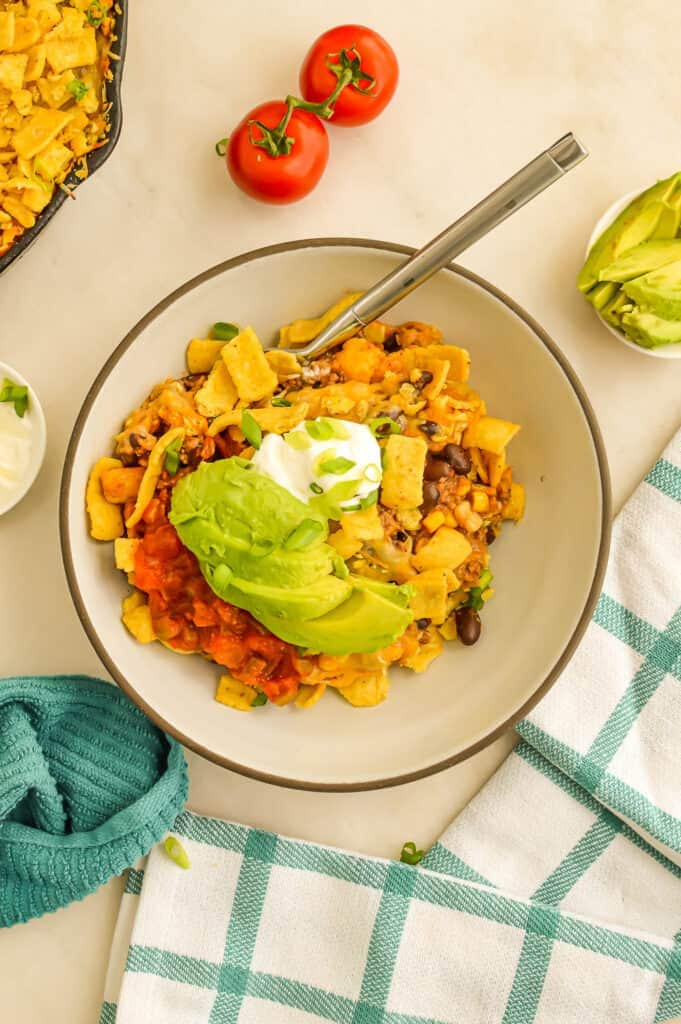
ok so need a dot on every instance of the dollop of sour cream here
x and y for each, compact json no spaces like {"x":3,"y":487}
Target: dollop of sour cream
{"x":319,"y":454}
{"x":15,"y":452}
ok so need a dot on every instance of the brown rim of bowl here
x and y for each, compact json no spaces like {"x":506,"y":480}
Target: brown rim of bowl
{"x":568,"y":651}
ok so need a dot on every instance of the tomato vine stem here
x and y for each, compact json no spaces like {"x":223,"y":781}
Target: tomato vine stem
{"x":348,"y":72}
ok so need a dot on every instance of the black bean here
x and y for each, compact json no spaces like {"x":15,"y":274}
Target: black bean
{"x":391,"y":344}
{"x":431,"y":496}
{"x":425,"y":378}
{"x":429,"y":427}
{"x":468,"y":626}
{"x":422,"y":623}
{"x":401,"y":536}
{"x":436,"y":469}
{"x":458,"y":458}
{"x":317,"y":384}
{"x":490,"y":536}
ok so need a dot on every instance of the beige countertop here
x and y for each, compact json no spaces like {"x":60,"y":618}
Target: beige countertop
{"x":484,"y":87}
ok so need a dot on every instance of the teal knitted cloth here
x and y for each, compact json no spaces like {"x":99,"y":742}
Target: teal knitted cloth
{"x":87,"y":785}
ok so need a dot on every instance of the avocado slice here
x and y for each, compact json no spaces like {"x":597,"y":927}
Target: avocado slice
{"x":658,"y":292}
{"x":399,"y":595}
{"x":612,"y":312}
{"x":649,"y":330}
{"x":602,"y":293}
{"x":364,"y":623}
{"x":640,"y":260}
{"x":260,"y":599}
{"x":643,"y":219}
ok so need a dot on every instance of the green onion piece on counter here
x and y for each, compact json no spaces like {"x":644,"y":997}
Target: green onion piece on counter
{"x":15,"y":393}
{"x":316,"y":488}
{"x":224,"y":332}
{"x":319,"y":430}
{"x":280,"y":402}
{"x":410,"y":855}
{"x":77,"y":88}
{"x":381,"y":426}
{"x":297,"y":440}
{"x":370,"y":499}
{"x":172,"y":456}
{"x":259,"y":701}
{"x":95,"y":14}
{"x":221,"y":146}
{"x":250,"y":428}
{"x":176,"y":851}
{"x":337,"y":466}
{"x":303,"y":535}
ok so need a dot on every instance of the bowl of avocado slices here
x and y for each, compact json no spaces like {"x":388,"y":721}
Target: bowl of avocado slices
{"x":632,"y":273}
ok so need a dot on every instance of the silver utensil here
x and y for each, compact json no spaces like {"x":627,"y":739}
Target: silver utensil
{"x":527,"y":183}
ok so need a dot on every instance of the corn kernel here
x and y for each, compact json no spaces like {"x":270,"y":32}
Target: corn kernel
{"x":480,"y":501}
{"x":486,"y":594}
{"x":434,"y":521}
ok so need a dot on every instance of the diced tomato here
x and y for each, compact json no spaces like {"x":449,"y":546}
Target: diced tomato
{"x":188,"y":616}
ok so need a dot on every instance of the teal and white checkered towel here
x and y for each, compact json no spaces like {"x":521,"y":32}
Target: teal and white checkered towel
{"x":555,"y":898}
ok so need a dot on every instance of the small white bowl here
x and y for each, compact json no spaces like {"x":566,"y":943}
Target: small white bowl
{"x":38,"y":440}
{"x":604,"y":222}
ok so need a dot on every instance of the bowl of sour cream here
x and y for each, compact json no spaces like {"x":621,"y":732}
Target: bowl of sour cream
{"x":22,"y":437}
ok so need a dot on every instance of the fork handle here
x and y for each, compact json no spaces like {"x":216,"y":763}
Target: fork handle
{"x":527,"y":183}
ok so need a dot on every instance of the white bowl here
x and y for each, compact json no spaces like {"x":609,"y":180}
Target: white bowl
{"x":38,"y":439}
{"x":548,"y":570}
{"x":604,"y":222}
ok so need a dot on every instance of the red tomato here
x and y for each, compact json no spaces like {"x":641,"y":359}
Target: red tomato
{"x":351,"y":46}
{"x":284,"y":178}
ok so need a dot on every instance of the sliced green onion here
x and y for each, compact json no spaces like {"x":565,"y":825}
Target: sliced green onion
{"x":381,"y":426}
{"x":15,"y":393}
{"x":370,"y":500}
{"x":40,"y":177}
{"x":337,"y":466}
{"x":357,"y":507}
{"x":475,"y":599}
{"x":485,"y":579}
{"x":95,"y":14}
{"x":319,"y":430}
{"x":384,"y":459}
{"x":224,"y":332}
{"x":297,"y":440}
{"x":177,"y":853}
{"x":372,"y":473}
{"x":410,"y":855}
{"x":326,"y":454}
{"x":303,"y":535}
{"x":316,"y":488}
{"x":280,"y":402}
{"x":259,"y":700}
{"x":77,"y":88}
{"x":340,"y":431}
{"x":250,"y":428}
{"x":221,"y":146}
{"x":329,"y":504}
{"x":171,"y":460}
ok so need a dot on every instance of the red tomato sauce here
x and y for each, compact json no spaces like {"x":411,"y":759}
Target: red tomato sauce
{"x":189,"y":617}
